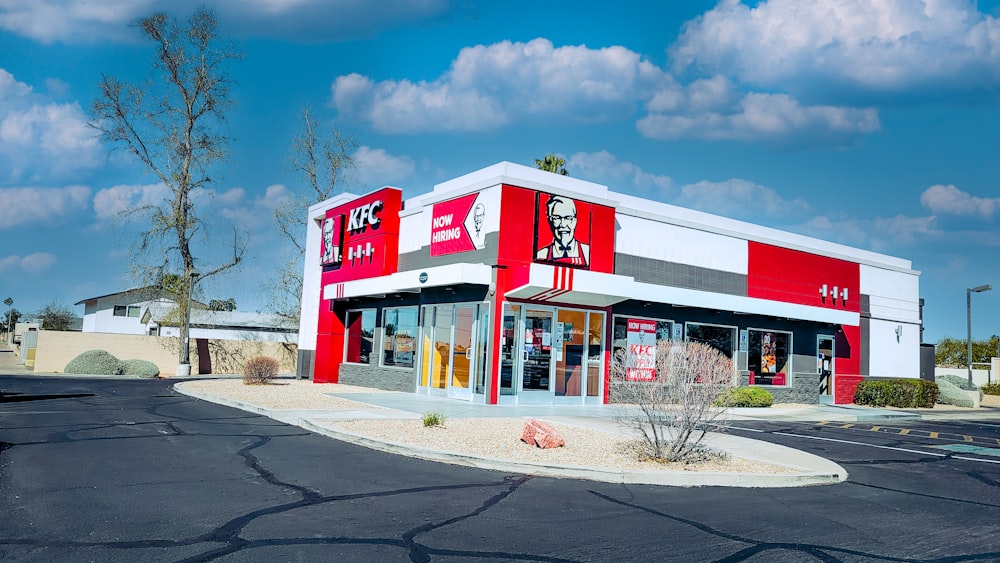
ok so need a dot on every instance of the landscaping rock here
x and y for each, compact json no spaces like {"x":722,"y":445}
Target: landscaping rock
{"x":541,"y":434}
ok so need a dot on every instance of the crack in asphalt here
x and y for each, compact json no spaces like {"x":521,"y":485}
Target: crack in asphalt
{"x":757,"y":547}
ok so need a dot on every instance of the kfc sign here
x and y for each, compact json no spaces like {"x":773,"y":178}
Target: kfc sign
{"x":365,"y":216}
{"x":360,"y":238}
{"x":459,"y":225}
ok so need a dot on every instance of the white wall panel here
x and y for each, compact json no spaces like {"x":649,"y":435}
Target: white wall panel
{"x":893,"y":295}
{"x":661,"y":241}
{"x":888,"y":357}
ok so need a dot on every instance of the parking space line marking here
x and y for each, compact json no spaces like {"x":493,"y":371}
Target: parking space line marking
{"x":933,"y":435}
{"x":875,"y":428}
{"x":967,"y":438}
{"x":904,"y":431}
{"x":847,"y":426}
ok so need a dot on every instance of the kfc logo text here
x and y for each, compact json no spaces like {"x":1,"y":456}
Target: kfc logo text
{"x":365,"y":215}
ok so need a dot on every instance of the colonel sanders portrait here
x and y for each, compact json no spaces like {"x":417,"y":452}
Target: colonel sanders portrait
{"x":560,"y":212}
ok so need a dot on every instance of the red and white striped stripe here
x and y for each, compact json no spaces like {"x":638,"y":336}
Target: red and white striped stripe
{"x":562,"y":282}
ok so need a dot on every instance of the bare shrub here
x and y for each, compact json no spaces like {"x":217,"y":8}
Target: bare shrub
{"x":260,"y":370}
{"x":669,"y":398}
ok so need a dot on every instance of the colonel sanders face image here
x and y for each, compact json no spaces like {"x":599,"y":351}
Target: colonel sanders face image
{"x":328,"y":247}
{"x":564,"y":249}
{"x":478,"y":215}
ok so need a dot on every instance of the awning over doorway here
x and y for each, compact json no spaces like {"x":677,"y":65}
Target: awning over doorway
{"x":574,"y":286}
{"x":412,"y":281}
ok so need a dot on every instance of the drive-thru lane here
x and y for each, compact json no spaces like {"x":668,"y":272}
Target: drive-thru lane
{"x":130,"y":470}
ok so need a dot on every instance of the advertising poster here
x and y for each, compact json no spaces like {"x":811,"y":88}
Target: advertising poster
{"x":641,"y":341}
{"x":403,"y":352}
{"x":459,"y":225}
{"x":333,"y":234}
{"x":562,"y":231}
{"x":768,"y":355}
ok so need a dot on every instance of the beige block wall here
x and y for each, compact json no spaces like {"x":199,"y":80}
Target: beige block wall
{"x":56,"y":349}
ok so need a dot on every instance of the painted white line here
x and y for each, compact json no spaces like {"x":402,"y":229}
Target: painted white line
{"x":974,"y":459}
{"x":745,"y":429}
{"x":862,"y":444}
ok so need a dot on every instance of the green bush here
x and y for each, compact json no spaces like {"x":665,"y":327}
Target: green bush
{"x":903,"y":393}
{"x":992,"y":388}
{"x":952,"y":394}
{"x":746,"y":397}
{"x":95,"y":362}
{"x":433,"y":419}
{"x":961,"y":383}
{"x":260,"y":370}
{"x":141,"y":368}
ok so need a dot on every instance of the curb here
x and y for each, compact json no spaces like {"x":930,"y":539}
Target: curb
{"x":668,"y":478}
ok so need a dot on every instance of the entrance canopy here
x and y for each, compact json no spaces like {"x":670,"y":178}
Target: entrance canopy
{"x":412,"y":281}
{"x":573,"y":286}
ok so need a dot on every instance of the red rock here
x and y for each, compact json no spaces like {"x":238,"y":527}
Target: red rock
{"x":541,"y":434}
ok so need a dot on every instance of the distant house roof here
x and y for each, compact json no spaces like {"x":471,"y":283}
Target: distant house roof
{"x":144,"y":293}
{"x":233,"y":320}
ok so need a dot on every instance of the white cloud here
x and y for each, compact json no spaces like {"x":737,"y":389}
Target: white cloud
{"x":740,"y":199}
{"x":376,"y":166}
{"x":873,"y":46}
{"x":25,"y":206}
{"x":32,"y":263}
{"x":878,"y":233}
{"x":604,"y":167}
{"x":762,"y":117}
{"x":72,"y":21}
{"x":41,"y":141}
{"x":953,"y":201}
{"x":255,"y":213}
{"x":110,"y":203}
{"x":489,"y":86}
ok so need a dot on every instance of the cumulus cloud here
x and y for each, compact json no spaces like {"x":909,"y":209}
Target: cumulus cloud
{"x":762,"y":117}
{"x":953,"y":201}
{"x":41,"y":140}
{"x":878,"y":233}
{"x":72,"y":21}
{"x":740,"y":199}
{"x":32,"y":263}
{"x":259,"y":211}
{"x":869,"y":46}
{"x":26,"y":206}
{"x":489,"y":86}
{"x":619,"y":175}
{"x":110,"y":203}
{"x":376,"y":166}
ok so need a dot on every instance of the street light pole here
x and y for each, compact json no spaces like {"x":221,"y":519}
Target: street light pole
{"x":968,"y":320}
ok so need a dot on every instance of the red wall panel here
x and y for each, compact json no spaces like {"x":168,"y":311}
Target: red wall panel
{"x":793,"y":276}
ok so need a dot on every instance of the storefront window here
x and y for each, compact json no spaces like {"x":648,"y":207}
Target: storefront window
{"x":635,"y":341}
{"x":768,"y":357}
{"x":399,"y":327}
{"x":722,"y":338}
{"x":360,"y":335}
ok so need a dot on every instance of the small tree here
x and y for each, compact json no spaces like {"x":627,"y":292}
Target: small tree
{"x":552,"y":163}
{"x":55,"y":316}
{"x":671,"y":405}
{"x":953,"y":352}
{"x":222,"y":304}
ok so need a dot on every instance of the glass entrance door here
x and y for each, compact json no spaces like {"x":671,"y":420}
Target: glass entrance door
{"x":453,"y":355}
{"x":536,"y":352}
{"x":825,"y":368}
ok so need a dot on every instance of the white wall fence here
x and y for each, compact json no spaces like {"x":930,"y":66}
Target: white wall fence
{"x":981,"y":375}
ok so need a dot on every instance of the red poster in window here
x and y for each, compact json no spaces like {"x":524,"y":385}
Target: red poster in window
{"x":562,"y":231}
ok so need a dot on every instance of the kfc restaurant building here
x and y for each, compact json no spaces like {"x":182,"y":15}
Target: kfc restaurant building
{"x":515,"y":285}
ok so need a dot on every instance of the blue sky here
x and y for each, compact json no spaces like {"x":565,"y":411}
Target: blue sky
{"x":873,"y":124}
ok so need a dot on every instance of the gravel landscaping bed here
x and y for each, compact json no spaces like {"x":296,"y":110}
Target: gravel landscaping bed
{"x":497,"y":438}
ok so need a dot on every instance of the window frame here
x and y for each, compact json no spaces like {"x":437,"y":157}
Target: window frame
{"x":415,"y":332}
{"x":613,"y":347}
{"x":127,"y":310}
{"x":347,"y":334}
{"x":734,"y":350}
{"x":788,"y":351}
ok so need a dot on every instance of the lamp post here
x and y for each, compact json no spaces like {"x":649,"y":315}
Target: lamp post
{"x":184,"y":369}
{"x":968,"y":318}
{"x":8,"y":302}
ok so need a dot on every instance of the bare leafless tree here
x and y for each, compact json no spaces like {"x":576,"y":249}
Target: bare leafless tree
{"x":322,"y":157}
{"x":173,"y":125}
{"x":669,"y":400}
